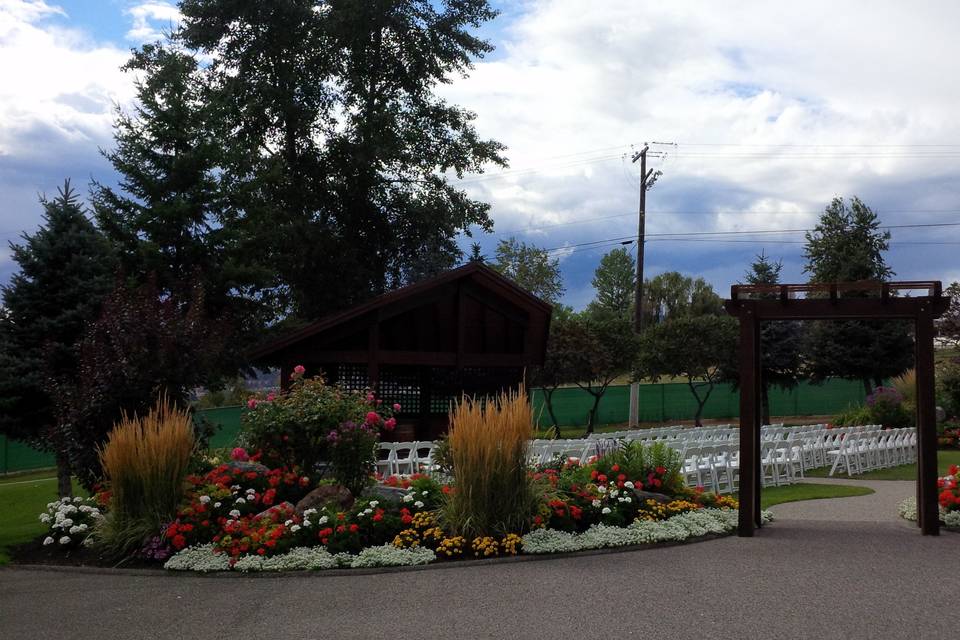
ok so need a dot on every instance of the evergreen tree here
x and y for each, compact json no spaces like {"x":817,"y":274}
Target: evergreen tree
{"x":615,"y":282}
{"x":530,"y":267}
{"x":781,"y":342}
{"x":66,"y":269}
{"x":846,"y":246}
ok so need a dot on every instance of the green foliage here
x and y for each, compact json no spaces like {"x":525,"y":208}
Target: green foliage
{"x":640,"y":461}
{"x":293,"y":429}
{"x":697,"y":348}
{"x":673,"y":295}
{"x":614,"y":282}
{"x":847,"y":245}
{"x":131,"y":353}
{"x":332,"y":132}
{"x":854,"y":416}
{"x":66,"y":269}
{"x":353,"y":452}
{"x":530,"y":267}
{"x":887,"y":408}
{"x":948,"y":387}
{"x":948,"y":325}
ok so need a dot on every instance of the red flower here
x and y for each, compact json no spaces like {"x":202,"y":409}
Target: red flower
{"x":377,"y":517}
{"x":602,"y":478}
{"x":179,"y":541}
{"x":615,"y":468}
{"x":262,"y":551}
{"x":354,"y":528}
{"x":621,"y":477}
{"x":661,"y":470}
{"x":594,"y":474}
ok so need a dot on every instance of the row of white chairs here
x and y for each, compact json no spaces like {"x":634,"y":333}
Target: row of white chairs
{"x":405,"y":458}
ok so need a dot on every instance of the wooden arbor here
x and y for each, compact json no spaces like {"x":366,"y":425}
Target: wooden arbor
{"x":469,"y":330}
{"x":754,"y":304}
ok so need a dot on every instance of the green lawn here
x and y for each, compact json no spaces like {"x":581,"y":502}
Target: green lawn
{"x":793,"y":493}
{"x":903,"y":472}
{"x":22,"y":498}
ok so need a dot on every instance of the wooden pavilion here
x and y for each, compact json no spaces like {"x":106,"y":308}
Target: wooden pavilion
{"x":754,"y":304}
{"x":467,"y":331}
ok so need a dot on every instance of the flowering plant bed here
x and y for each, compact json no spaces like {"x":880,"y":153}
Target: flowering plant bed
{"x":949,"y":499}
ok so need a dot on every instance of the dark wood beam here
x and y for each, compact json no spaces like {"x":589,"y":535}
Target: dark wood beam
{"x":928,"y":510}
{"x":749,"y":515}
{"x":839,"y":309}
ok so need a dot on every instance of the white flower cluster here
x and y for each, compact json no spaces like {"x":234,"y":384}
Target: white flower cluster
{"x":675,"y":529}
{"x":907,"y":510}
{"x":390,"y":556}
{"x":71,"y":521}
{"x":297,"y":559}
{"x":199,"y":558}
{"x":202,"y":558}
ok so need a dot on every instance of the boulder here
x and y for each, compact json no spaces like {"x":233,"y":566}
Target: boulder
{"x":245,"y":467}
{"x":941,"y":414}
{"x":383,"y":491}
{"x":643,"y":496}
{"x":277,"y":513}
{"x":326,"y":495}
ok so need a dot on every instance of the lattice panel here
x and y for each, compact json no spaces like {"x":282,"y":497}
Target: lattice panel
{"x":352,"y":377}
{"x":448,"y":384}
{"x":400,"y":385}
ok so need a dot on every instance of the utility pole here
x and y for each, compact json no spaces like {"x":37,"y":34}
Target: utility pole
{"x":638,"y":291}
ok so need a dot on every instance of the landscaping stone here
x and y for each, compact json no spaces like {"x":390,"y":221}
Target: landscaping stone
{"x":245,"y":467}
{"x":941,"y":414}
{"x":383,"y":491}
{"x":283,"y":508}
{"x":643,"y":496}
{"x":326,"y":495}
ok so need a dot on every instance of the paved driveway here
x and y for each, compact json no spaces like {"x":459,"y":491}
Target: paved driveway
{"x":795,"y":579}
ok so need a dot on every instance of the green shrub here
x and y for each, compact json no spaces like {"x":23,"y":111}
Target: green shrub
{"x":886,"y":407}
{"x":638,"y":461}
{"x":292,"y":429}
{"x":145,"y":462}
{"x":353,"y":453}
{"x":854,"y":416}
{"x":493,"y":494}
{"x":948,"y":387}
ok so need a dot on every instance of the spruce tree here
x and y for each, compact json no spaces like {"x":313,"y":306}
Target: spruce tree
{"x":847,"y":245}
{"x":66,"y":269}
{"x":781,"y":342}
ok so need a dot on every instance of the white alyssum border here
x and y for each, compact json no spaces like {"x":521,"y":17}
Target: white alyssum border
{"x":678,"y":528}
{"x":907,"y":510}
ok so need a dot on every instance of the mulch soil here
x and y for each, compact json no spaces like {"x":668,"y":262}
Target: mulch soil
{"x":34,"y":552}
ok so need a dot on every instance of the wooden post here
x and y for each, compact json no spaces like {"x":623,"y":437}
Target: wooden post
{"x":749,"y":419}
{"x":928,"y":512}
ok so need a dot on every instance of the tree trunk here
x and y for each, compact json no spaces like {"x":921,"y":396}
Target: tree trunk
{"x":548,"y":400}
{"x":592,"y":416}
{"x":866,"y":386}
{"x":64,"y":486}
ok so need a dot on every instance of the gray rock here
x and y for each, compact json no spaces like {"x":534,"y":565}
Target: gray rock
{"x":383,"y":491}
{"x":244,"y":467}
{"x":277,"y":511}
{"x":326,"y":495}
{"x":643,"y":496}
{"x":941,"y":414}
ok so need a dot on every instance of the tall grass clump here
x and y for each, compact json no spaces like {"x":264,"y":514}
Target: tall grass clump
{"x":492,"y":491}
{"x":145,"y":462}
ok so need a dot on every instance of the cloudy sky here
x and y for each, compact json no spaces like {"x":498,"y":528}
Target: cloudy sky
{"x":769,"y":110}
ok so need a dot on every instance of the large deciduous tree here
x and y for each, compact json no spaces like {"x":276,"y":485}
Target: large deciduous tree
{"x":614,"y":282}
{"x":948,"y":325}
{"x":673,"y":295}
{"x":530,"y":267}
{"x":847,"y":245}
{"x":699,"y":349}
{"x":337,"y":147}
{"x":66,"y":269}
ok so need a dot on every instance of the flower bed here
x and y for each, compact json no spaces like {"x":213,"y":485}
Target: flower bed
{"x":949,"y":499}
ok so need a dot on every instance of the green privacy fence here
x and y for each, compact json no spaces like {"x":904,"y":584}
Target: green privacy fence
{"x":664,"y":402}
{"x":658,"y":403}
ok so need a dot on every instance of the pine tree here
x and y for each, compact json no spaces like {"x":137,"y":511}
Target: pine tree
{"x":847,"y":245}
{"x":66,"y":269}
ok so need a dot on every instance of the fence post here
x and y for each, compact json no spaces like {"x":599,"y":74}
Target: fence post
{"x":634,"y":404}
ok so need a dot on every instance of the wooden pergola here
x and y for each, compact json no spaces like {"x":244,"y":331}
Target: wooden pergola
{"x":754,"y":304}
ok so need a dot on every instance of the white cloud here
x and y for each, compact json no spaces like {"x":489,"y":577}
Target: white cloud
{"x":57,"y":85}
{"x":152,"y":20}
{"x":753,"y":74}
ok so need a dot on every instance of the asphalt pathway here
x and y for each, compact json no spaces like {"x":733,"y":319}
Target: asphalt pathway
{"x":797,"y":578}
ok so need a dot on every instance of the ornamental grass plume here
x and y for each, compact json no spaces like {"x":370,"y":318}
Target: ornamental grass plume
{"x":493,"y":492}
{"x":145,"y":462}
